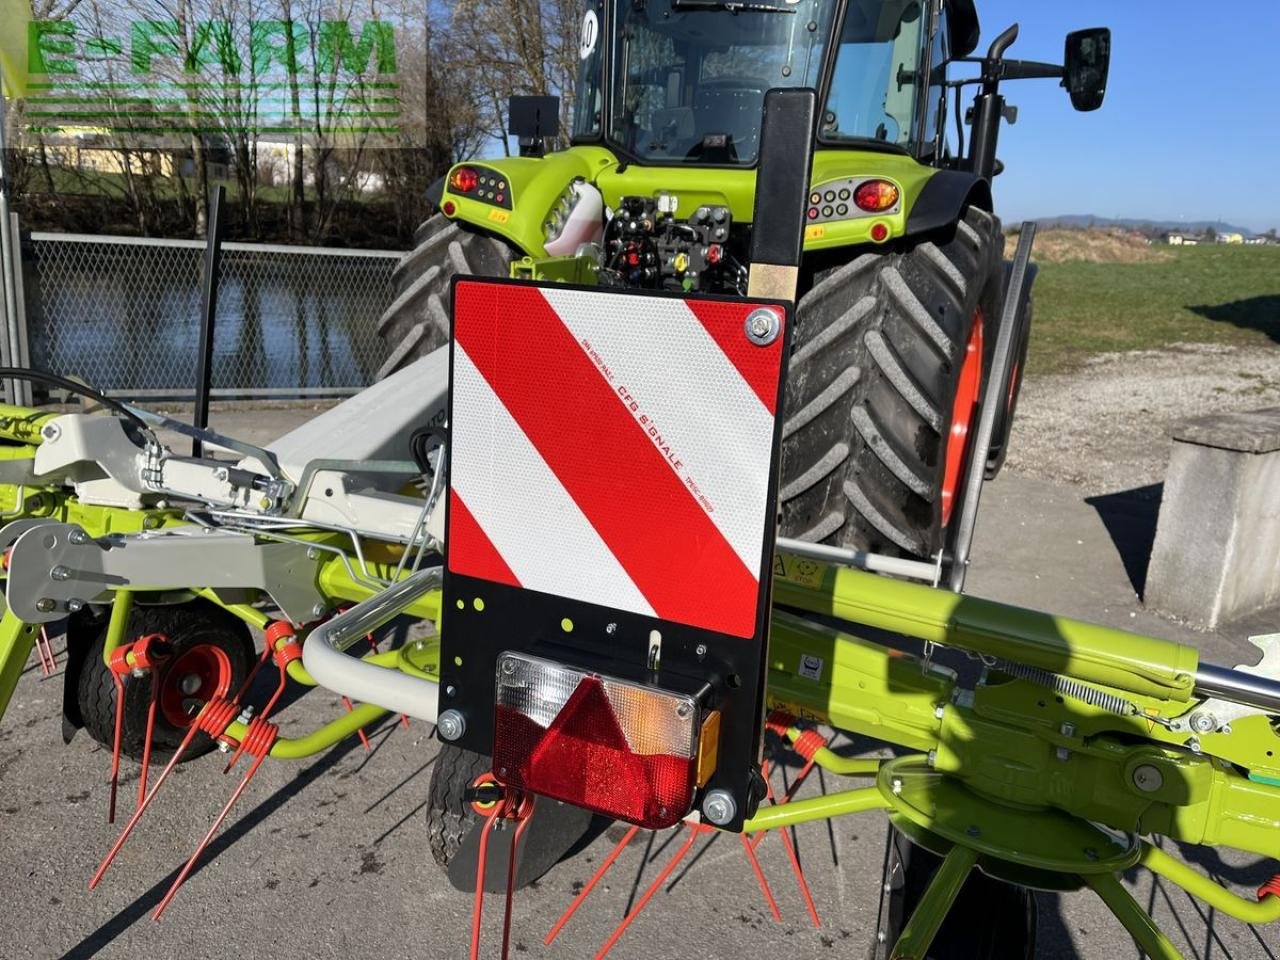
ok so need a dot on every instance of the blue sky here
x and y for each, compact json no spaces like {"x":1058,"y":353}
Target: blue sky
{"x":1190,"y":128}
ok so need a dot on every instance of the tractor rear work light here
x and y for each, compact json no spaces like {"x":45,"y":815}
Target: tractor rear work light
{"x":875,"y":196}
{"x":618,"y":748}
{"x":464,"y":179}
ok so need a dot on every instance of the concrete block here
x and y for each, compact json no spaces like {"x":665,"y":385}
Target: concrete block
{"x":1216,"y":555}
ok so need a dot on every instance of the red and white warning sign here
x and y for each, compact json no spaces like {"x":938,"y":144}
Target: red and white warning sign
{"x":615,"y":448}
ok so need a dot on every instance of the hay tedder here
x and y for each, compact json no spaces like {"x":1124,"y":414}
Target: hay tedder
{"x":578,"y":496}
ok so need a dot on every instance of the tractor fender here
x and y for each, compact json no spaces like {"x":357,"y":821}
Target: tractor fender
{"x":942,"y":200}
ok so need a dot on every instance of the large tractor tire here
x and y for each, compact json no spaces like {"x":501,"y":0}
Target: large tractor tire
{"x":417,"y":322}
{"x":212,"y":653}
{"x":887,"y":368}
{"x":888,"y":364}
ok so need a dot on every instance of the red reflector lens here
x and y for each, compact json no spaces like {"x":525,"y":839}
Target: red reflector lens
{"x":875,"y":195}
{"x":449,"y":207}
{"x":464,"y":179}
{"x":879,"y":232}
{"x":617,"y":748}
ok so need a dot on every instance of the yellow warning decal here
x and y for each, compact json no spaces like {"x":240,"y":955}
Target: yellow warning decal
{"x":499,"y":216}
{"x":798,"y":570}
{"x":815,"y":232}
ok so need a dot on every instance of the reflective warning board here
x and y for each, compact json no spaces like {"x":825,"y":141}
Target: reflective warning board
{"x":612,"y":470}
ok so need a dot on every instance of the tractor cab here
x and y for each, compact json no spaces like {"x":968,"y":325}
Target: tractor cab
{"x":682,"y":82}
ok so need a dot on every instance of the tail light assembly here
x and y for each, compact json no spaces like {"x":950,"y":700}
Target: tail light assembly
{"x":622,"y":749}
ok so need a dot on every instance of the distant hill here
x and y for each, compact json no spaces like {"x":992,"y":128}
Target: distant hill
{"x":1079,"y":221}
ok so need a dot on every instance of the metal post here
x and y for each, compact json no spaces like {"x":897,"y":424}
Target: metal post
{"x":7,"y":260}
{"x":23,"y":357}
{"x":208,"y":308}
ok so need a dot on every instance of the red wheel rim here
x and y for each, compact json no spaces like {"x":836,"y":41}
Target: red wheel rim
{"x":197,"y":676}
{"x":966,"y":404}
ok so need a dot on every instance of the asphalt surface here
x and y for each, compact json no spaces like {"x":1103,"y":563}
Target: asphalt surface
{"x":328,"y":858}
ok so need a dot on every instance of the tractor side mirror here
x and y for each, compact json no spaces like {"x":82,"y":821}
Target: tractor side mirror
{"x":1086,"y":63}
{"x":533,"y":121}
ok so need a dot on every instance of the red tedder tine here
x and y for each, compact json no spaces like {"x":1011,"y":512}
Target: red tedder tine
{"x":511,"y":807}
{"x":595,"y":878}
{"x":259,"y":739}
{"x":136,"y":658}
{"x":214,"y":717}
{"x":658,"y":881}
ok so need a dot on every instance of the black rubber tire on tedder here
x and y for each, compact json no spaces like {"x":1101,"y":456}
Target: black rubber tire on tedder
{"x":879,"y":347}
{"x":990,"y":919}
{"x":450,"y":816}
{"x":417,"y":322}
{"x":210,"y":639}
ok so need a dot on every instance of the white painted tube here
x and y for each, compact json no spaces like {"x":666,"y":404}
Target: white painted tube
{"x":323,"y":653}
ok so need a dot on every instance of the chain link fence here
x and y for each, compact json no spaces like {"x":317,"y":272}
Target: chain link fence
{"x":123,"y":314}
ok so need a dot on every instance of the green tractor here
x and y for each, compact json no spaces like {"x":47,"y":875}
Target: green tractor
{"x":903,"y":274}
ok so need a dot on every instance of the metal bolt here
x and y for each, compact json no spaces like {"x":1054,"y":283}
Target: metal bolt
{"x":683,"y":710}
{"x":50,"y":431}
{"x":221,"y":474}
{"x":313,"y":553}
{"x":1202,"y":722}
{"x":939,"y":711}
{"x":1062,"y":753}
{"x":319,"y":610}
{"x":509,"y":666}
{"x":763,"y":327}
{"x":46,"y":605}
{"x":75,"y":604}
{"x":150,"y":523}
{"x":1194,"y":744}
{"x":450,"y":691}
{"x":224,"y":747}
{"x":611,"y":629}
{"x":189,"y":684}
{"x":162,"y":504}
{"x":60,"y":572}
{"x":1226,"y":728}
{"x":719,"y":807}
{"x":1148,"y":778}
{"x":932,"y":758}
{"x":451,"y":724}
{"x":1068,"y":729}
{"x":78,"y":537}
{"x":880,"y":937}
{"x":246,"y":714}
{"x":897,"y":786}
{"x":700,"y":650}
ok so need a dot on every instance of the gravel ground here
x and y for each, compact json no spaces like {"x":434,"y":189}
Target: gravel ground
{"x":1105,"y":428}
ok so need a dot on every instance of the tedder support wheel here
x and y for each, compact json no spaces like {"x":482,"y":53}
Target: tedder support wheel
{"x":212,"y":653}
{"x":454,"y":820}
{"x":990,"y":919}
{"x":450,"y":815}
{"x":417,"y":322}
{"x":887,"y":369}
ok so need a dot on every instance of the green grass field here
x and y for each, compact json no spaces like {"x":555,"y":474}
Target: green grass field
{"x":1210,"y":294}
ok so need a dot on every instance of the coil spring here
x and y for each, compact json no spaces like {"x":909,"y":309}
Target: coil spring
{"x":1075,"y":689}
{"x":218,"y":715}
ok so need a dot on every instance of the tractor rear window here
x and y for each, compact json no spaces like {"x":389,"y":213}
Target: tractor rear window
{"x":874,"y":90}
{"x":689,"y":76}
